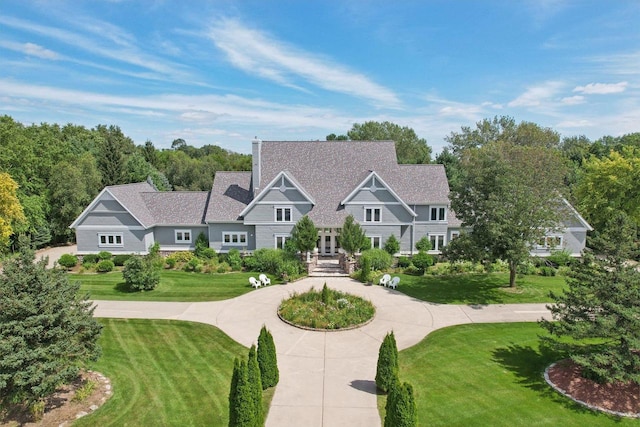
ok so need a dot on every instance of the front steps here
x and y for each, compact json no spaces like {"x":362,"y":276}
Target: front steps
{"x":328,"y":267}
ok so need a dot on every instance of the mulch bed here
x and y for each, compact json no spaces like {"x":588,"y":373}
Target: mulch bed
{"x":621,"y":399}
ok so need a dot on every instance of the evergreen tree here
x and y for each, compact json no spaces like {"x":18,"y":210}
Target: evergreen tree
{"x":401,"y":408}
{"x":304,"y":234}
{"x":253,"y":374}
{"x":47,"y":331}
{"x":352,"y":237}
{"x":267,"y":359}
{"x":392,"y":245}
{"x":241,"y":402}
{"x":387,"y":369}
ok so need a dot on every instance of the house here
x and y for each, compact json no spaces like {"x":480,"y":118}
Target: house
{"x":326,"y":180}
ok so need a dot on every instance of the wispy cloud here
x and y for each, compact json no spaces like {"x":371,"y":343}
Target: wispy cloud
{"x":537,"y":95}
{"x":602,"y":88}
{"x":30,"y":49}
{"x":259,"y":54}
{"x":573,"y":100}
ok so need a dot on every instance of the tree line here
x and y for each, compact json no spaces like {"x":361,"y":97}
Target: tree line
{"x":58,"y":170}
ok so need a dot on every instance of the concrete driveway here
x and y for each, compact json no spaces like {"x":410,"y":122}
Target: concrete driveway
{"x":326,"y":378}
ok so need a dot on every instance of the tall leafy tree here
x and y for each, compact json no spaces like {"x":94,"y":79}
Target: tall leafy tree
{"x":510,"y":197}
{"x":409,"y":147}
{"x":304,"y":234}
{"x":11,"y":211}
{"x":600,"y":310}
{"x":47,"y":331}
{"x":352,"y":237}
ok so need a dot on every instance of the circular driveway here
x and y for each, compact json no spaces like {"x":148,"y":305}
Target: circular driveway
{"x":326,"y":378}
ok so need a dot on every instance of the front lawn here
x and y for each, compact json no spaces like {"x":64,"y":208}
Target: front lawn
{"x":166,"y":373}
{"x":489,"y":375}
{"x":174,"y":286}
{"x":492,"y":288}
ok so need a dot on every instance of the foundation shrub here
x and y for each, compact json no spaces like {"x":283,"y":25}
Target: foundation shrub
{"x":104,"y":255}
{"x":234,"y":259}
{"x":89,"y":259}
{"x":404,"y":262}
{"x":68,"y":261}
{"x":119,"y":260}
{"x":379,"y":259}
{"x":105,"y":266}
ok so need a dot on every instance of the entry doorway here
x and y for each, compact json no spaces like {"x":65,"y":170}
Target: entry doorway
{"x":328,"y":241}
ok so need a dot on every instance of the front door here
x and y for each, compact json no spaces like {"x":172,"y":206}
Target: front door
{"x":328,"y":241}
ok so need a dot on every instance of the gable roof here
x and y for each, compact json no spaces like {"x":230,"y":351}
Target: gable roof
{"x":375,"y":176}
{"x":151,"y":207}
{"x":268,"y":187}
{"x":230,"y":194}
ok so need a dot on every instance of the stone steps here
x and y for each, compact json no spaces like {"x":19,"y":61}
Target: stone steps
{"x":328,"y":268}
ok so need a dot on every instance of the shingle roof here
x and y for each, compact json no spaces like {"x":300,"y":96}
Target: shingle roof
{"x":330,"y":170}
{"x":177,"y":207}
{"x":152,"y":207}
{"x":230,"y":194}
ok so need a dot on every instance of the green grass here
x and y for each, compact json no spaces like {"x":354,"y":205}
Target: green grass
{"x":480,"y":288}
{"x":165,"y":373}
{"x":339,"y":311}
{"x":489,"y":375}
{"x":174,"y":286}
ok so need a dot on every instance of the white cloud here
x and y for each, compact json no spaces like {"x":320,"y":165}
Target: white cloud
{"x":259,"y":54}
{"x":537,"y":95}
{"x":30,"y":49}
{"x":602,"y":88}
{"x":573,"y":100}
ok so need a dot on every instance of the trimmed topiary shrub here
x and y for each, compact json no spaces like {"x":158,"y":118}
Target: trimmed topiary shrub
{"x":387,"y":369}
{"x":378,"y":258}
{"x":89,"y":259}
{"x":241,"y":406}
{"x":104,"y":255}
{"x":401,"y":408}
{"x":253,"y":375}
{"x":68,"y":261}
{"x":392,"y":245}
{"x":267,"y":359}
{"x":105,"y":266}
{"x":119,"y":260}
{"x":365,"y":269}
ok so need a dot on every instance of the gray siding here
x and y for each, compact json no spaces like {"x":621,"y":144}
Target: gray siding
{"x":275,"y":195}
{"x":166,"y":237}
{"x":379,"y":196}
{"x":265,"y":234}
{"x":265,"y":213}
{"x":134,"y":241}
{"x":215,"y":236}
{"x":389,"y":214}
{"x":108,"y":219}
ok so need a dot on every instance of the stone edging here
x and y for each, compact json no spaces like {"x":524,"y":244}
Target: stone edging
{"x":592,"y":407}
{"x":308,"y":328}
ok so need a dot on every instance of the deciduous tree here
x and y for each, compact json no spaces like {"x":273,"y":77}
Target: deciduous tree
{"x":409,"y":148}
{"x":10,"y":208}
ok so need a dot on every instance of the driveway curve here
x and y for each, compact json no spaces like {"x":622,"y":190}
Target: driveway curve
{"x":326,"y":378}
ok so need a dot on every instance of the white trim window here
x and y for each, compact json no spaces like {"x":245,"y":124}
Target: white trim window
{"x":437,"y":241}
{"x":183,"y":236}
{"x":550,"y":242}
{"x":438,"y":214}
{"x":376,"y":242}
{"x":110,"y":240}
{"x":234,"y":238}
{"x":283,"y":214}
{"x":372,"y":214}
{"x":280,"y":240}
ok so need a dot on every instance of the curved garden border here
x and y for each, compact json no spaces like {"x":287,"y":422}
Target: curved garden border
{"x":588,"y":405}
{"x":308,"y":328}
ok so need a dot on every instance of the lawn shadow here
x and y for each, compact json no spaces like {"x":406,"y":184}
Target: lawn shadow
{"x":367,"y":386}
{"x":123,"y":288}
{"x":528,"y":364}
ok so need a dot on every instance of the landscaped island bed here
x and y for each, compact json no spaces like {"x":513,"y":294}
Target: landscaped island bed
{"x":327,"y":309}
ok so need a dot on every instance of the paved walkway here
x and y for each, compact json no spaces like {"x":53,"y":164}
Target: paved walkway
{"x":326,"y":378}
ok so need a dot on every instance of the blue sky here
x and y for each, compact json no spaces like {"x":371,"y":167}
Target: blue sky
{"x":222,"y":72}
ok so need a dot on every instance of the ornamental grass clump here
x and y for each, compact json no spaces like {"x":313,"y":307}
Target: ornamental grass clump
{"x":327,"y":309}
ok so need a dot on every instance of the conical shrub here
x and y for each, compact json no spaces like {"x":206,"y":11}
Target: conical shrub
{"x":267,"y":359}
{"x":253,"y":375}
{"x":387,"y":369}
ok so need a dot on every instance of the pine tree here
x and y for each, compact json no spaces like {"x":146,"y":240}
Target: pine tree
{"x":47,"y":332}
{"x":267,"y":359}
{"x":253,"y":374}
{"x":387,"y":370}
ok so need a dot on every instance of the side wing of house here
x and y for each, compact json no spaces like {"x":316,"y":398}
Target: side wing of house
{"x":106,"y":225}
{"x":276,"y":210}
{"x":571,"y":236}
{"x":380,"y":212}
